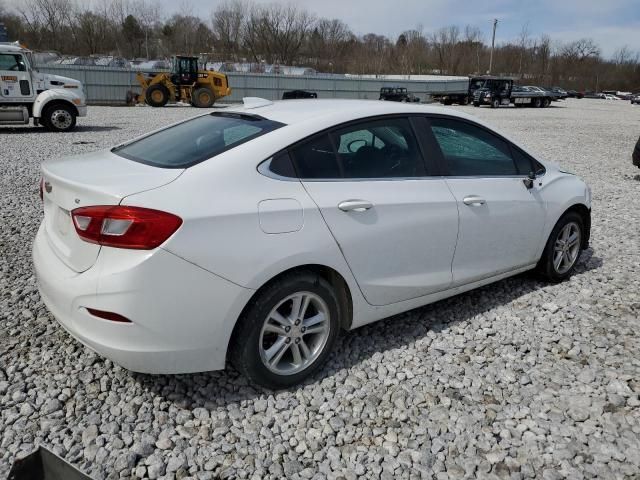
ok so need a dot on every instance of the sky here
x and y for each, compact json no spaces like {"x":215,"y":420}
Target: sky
{"x":611,"y":23}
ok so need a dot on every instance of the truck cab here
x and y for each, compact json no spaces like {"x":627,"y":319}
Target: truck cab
{"x":488,"y":90}
{"x":51,"y":100}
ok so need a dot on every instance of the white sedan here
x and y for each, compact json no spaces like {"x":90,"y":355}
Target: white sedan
{"x":256,"y":234}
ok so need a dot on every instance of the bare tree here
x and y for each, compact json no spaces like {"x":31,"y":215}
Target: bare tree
{"x":276,"y":32}
{"x":445,"y":42}
{"x":47,"y":17}
{"x":523,"y":44}
{"x":227,"y":22}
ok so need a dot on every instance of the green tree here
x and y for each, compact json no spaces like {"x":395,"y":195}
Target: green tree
{"x":133,"y":34}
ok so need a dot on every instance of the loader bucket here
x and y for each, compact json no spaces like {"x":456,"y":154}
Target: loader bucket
{"x":44,"y":465}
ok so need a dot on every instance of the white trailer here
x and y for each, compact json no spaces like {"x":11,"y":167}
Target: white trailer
{"x":51,"y":100}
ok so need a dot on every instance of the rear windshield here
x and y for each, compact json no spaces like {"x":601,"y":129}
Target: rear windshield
{"x":196,"y":140}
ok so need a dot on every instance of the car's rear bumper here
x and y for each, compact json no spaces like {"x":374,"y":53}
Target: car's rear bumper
{"x":181,"y":315}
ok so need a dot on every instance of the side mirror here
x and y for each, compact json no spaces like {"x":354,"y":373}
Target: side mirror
{"x":528,"y":182}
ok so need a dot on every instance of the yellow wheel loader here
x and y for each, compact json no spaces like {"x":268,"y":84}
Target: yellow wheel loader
{"x":184,"y":83}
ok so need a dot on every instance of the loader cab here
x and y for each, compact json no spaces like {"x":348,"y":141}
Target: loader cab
{"x":184,"y":70}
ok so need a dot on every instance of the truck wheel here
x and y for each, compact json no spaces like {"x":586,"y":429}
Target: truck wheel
{"x":447,"y":102}
{"x":464,"y":101}
{"x":202,"y":97}
{"x":157,"y":95}
{"x":546,"y":102}
{"x":476,"y":104}
{"x":58,"y":118}
{"x":537,"y":103}
{"x":495,"y":103}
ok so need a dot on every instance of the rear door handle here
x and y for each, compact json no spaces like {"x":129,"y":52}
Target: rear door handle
{"x":474,"y":200}
{"x":355,"y":205}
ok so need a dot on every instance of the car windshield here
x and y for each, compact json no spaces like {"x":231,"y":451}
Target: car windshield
{"x":196,"y":140}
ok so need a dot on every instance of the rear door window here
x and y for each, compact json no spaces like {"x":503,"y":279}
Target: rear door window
{"x":385,"y":148}
{"x":196,"y":140}
{"x":379,"y":149}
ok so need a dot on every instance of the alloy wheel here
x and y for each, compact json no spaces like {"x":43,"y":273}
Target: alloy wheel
{"x":294,"y":333}
{"x":566,"y":248}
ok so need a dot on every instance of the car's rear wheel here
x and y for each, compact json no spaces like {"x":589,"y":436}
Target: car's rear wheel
{"x":287,"y":331}
{"x":495,"y":103}
{"x":563,"y":248}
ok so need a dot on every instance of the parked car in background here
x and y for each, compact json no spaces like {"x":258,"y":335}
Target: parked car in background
{"x":325,"y":216}
{"x":397,"y":94}
{"x":635,"y":99}
{"x":593,"y":95}
{"x":551,"y":94}
{"x":561,"y":92}
{"x":298,"y":94}
{"x":575,"y":94}
{"x":608,"y":96}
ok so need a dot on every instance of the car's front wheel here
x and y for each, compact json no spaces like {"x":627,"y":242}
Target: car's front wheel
{"x":287,"y":331}
{"x":563,"y":248}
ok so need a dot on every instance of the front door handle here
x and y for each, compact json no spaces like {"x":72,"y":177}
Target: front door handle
{"x":474,"y":200}
{"x":355,"y":205}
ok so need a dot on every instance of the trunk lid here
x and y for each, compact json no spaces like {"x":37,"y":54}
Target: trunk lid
{"x":99,"y":178}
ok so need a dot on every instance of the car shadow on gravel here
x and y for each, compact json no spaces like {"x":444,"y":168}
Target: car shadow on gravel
{"x":220,"y":388}
{"x":39,"y":130}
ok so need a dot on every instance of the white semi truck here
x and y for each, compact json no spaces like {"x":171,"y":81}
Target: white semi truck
{"x":51,"y":100}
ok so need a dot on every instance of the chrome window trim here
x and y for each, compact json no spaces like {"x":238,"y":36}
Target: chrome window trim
{"x":263,"y":169}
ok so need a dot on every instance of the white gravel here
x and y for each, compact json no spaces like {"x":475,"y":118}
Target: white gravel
{"x":519,"y":379}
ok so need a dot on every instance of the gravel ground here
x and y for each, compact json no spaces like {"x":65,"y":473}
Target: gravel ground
{"x":520,"y":379}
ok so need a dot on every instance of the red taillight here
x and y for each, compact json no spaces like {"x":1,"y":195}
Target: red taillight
{"x":124,"y":227}
{"x":114,"y":317}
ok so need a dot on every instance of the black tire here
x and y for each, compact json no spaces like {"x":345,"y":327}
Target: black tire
{"x":546,"y":266}
{"x":537,"y":103}
{"x":157,"y":95}
{"x":203,"y":97}
{"x":58,"y":117}
{"x":476,"y":104}
{"x":464,"y":101}
{"x":244,"y":349}
{"x":546,"y":102}
{"x":495,"y":103}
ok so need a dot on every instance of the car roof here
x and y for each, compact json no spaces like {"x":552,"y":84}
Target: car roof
{"x":336,"y":111}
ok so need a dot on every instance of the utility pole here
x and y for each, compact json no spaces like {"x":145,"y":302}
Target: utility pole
{"x":493,"y":42}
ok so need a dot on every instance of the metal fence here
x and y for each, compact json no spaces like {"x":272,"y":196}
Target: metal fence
{"x":108,"y":85}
